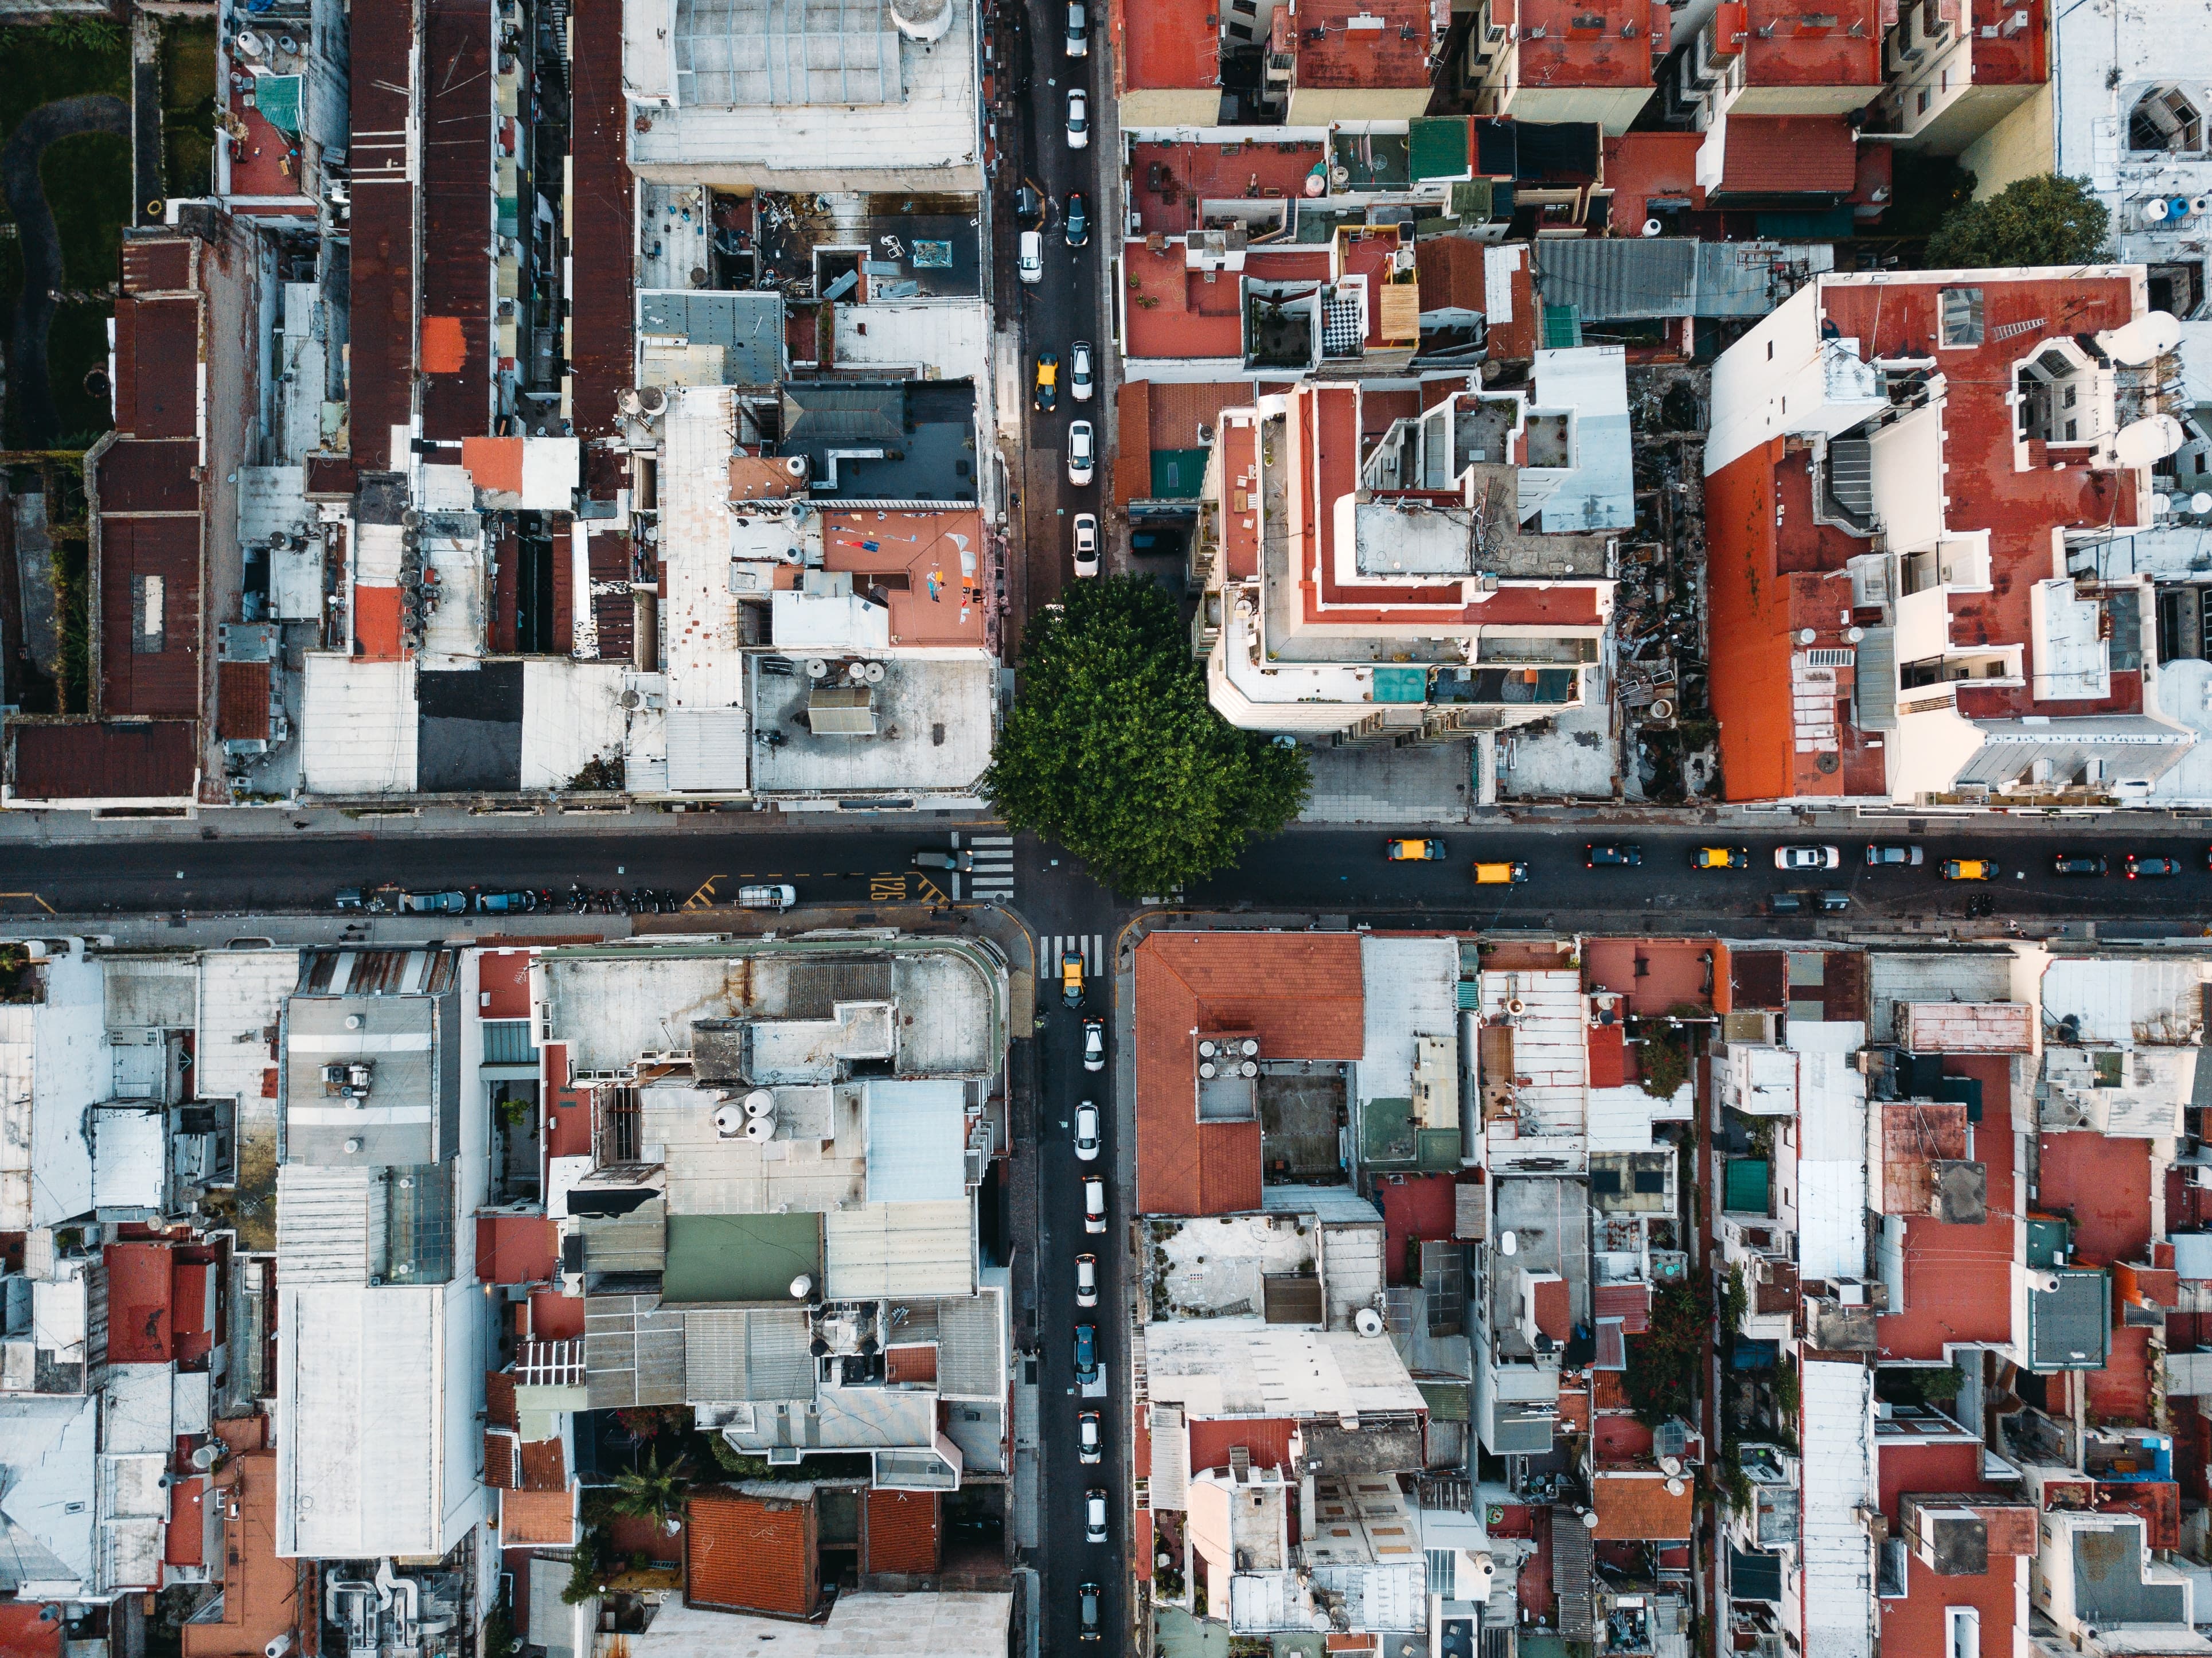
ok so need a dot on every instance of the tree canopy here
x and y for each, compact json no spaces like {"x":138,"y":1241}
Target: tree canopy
{"x":1112,"y":749}
{"x":2043,"y":220}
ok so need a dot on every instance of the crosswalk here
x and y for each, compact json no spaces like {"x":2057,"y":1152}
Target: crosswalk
{"x":993,"y":877}
{"x":1092,"y":945}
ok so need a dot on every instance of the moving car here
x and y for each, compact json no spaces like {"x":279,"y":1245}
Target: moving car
{"x":1094,"y":1205}
{"x":1078,"y":222}
{"x":1420,"y":851}
{"x":1795,"y":857}
{"x":1086,"y":1132}
{"x":2070,"y":863}
{"x":1029,"y":256}
{"x":1086,"y":1353}
{"x":930,"y":859}
{"x":1078,"y":118}
{"x":506,"y":903}
{"x":1046,"y":397}
{"x":1088,"y":1449}
{"x":1080,"y":454}
{"x":775,"y":896}
{"x":1615,"y":855}
{"x":1720,"y":858}
{"x":1080,"y":384}
{"x":1094,"y":1514}
{"x":2138,"y":865}
{"x":1880,"y":853}
{"x":1500,"y":875}
{"x":433,"y":903}
{"x":1078,"y":29}
{"x":1086,"y":544}
{"x":1967,"y":869}
{"x":1071,"y":977}
{"x":1086,"y":1280}
{"x":1094,"y":1044}
{"x":1086,"y":1612}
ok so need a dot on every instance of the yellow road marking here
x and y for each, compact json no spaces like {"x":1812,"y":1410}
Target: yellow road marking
{"x":705,"y":895}
{"x":34,"y":898}
{"x":887,"y":889}
{"x":931,"y":892}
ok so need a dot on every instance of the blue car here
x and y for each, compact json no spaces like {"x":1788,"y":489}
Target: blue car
{"x":1079,"y":220}
{"x":506,"y":903}
{"x":1086,"y":1353}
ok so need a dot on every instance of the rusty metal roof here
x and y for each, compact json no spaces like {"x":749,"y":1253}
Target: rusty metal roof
{"x":604,"y":276}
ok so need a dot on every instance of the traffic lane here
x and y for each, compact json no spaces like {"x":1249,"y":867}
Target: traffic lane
{"x":304,"y":875}
{"x":1071,"y":1559}
{"x":1323,"y":870}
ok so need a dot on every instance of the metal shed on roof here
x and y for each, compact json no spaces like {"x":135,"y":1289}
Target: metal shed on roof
{"x":900,"y":1250}
{"x":708,"y":750}
{"x":845,"y":413}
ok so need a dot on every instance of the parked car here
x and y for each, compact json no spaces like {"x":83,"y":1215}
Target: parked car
{"x":1080,"y":384}
{"x":1796,"y":858}
{"x":1077,"y":223}
{"x":351,"y":898}
{"x":506,"y":903}
{"x":1094,"y":1044}
{"x":1094,"y":1514}
{"x":1029,"y":204}
{"x":1967,"y":869}
{"x":1081,"y":455}
{"x":1094,"y":1205}
{"x":2136,"y":865}
{"x":1078,"y":118}
{"x":1045,"y":396}
{"x":1086,"y":544}
{"x":433,"y":903}
{"x":2073,"y":863}
{"x":1086,"y":1280}
{"x":1088,"y":1449}
{"x":1418,"y":851}
{"x":1720,"y":858}
{"x":1086,"y":1132}
{"x":1087,"y":1613}
{"x":1500,"y":874}
{"x":929,"y":858}
{"x":1086,"y":1353}
{"x":1622,"y":854}
{"x":1078,"y":29}
{"x":1029,"y":256}
{"x":1071,"y":977}
{"x":1879,"y":853}
{"x":774,"y":895}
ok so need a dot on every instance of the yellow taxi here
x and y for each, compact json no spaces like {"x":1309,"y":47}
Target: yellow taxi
{"x":1500,"y":875}
{"x":1720,"y":858}
{"x":1968,"y":869}
{"x":1420,"y":851}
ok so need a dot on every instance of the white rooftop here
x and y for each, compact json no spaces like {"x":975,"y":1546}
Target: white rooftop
{"x":1599,"y":491}
{"x":859,"y":1626}
{"x":1226,"y":1367}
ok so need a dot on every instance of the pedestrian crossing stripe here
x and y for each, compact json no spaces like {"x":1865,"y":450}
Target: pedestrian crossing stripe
{"x":1092,"y":947}
{"x":992,"y":860}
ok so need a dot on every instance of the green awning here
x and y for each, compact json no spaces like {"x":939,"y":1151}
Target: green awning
{"x":278,"y":98}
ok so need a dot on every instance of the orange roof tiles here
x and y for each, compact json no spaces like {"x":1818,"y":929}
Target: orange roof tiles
{"x":537,"y":1519}
{"x":1301,"y":994}
{"x":1266,"y":1438}
{"x":1639,"y":1507}
{"x":138,"y":1294}
{"x":905,"y":1533}
{"x":499,"y":1398}
{"x":544,"y":1465}
{"x":746,"y":1553}
{"x":910,"y":1363}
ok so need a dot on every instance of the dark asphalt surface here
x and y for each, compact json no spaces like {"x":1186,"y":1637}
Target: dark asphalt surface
{"x":65,"y":117}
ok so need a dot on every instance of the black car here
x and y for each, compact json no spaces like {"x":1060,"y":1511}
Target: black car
{"x":2068,"y":862}
{"x":1879,"y":853}
{"x":1628,"y":854}
{"x":1079,"y":220}
{"x":1029,"y":204}
{"x":1086,"y":1612}
{"x":1784,"y":903}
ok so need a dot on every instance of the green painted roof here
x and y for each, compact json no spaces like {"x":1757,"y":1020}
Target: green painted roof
{"x":1401,"y":685}
{"x":714,"y":1258}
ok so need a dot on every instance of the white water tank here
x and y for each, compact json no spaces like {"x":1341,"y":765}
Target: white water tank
{"x":2136,"y":342}
{"x":801,"y":1287}
{"x":760,"y":1103}
{"x":1508,"y":1244}
{"x":1368,"y":1321}
{"x":1653,"y":228}
{"x":760,"y":1128}
{"x":729,"y":1121}
{"x":922,"y":21}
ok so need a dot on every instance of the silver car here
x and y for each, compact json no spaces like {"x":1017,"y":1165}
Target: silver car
{"x":1078,"y":118}
{"x":1082,"y":454}
{"x":1078,"y":29}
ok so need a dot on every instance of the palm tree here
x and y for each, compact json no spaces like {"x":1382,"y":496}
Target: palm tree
{"x":653,"y":1491}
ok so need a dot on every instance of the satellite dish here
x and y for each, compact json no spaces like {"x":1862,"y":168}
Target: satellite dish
{"x":1588,"y":1518}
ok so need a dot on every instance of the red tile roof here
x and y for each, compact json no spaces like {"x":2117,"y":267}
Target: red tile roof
{"x":499,"y":1398}
{"x":517,"y":1248}
{"x":1301,"y":994}
{"x":183,"y":1541}
{"x":1559,"y":47}
{"x":904,"y":1533}
{"x":544,"y":1465}
{"x":1554,"y":1308}
{"x":913,"y":1364}
{"x":744,"y":1553}
{"x":502,"y":1459}
{"x":537,"y":1519}
{"x":603,"y":266}
{"x":154,"y":760}
{"x":1266,"y":1438}
{"x":1629,"y":1302}
{"x":1639,"y":1507}
{"x":242,"y":700}
{"x":261,"y":1597}
{"x":1788,"y":155}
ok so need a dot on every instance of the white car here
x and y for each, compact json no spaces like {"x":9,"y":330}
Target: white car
{"x":1029,"y":258}
{"x":1087,"y":563}
{"x":1086,"y":1280}
{"x":1082,"y":455}
{"x":1078,"y":118}
{"x":1094,"y":1514}
{"x":1086,"y":1132}
{"x":1094,"y":1044}
{"x":1808,"y":857}
{"x":1088,"y":1449}
{"x":1078,"y":29}
{"x":1079,"y":383}
{"x":1094,"y":1205}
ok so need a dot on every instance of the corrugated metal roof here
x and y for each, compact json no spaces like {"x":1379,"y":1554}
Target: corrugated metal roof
{"x":709,"y":749}
{"x":915,"y":1135}
{"x":733,"y":1354}
{"x":1617,"y":279}
{"x":379,"y":376}
{"x":633,"y":1352}
{"x":322,"y":1224}
{"x":458,"y":201}
{"x":1839,"y":1483}
{"x":971,"y":1356}
{"x":601,"y":236}
{"x":900,"y":1250}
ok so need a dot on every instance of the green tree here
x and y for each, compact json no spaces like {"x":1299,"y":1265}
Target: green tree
{"x":654,"y":1491}
{"x":2038,"y":221}
{"x":1113,"y":751}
